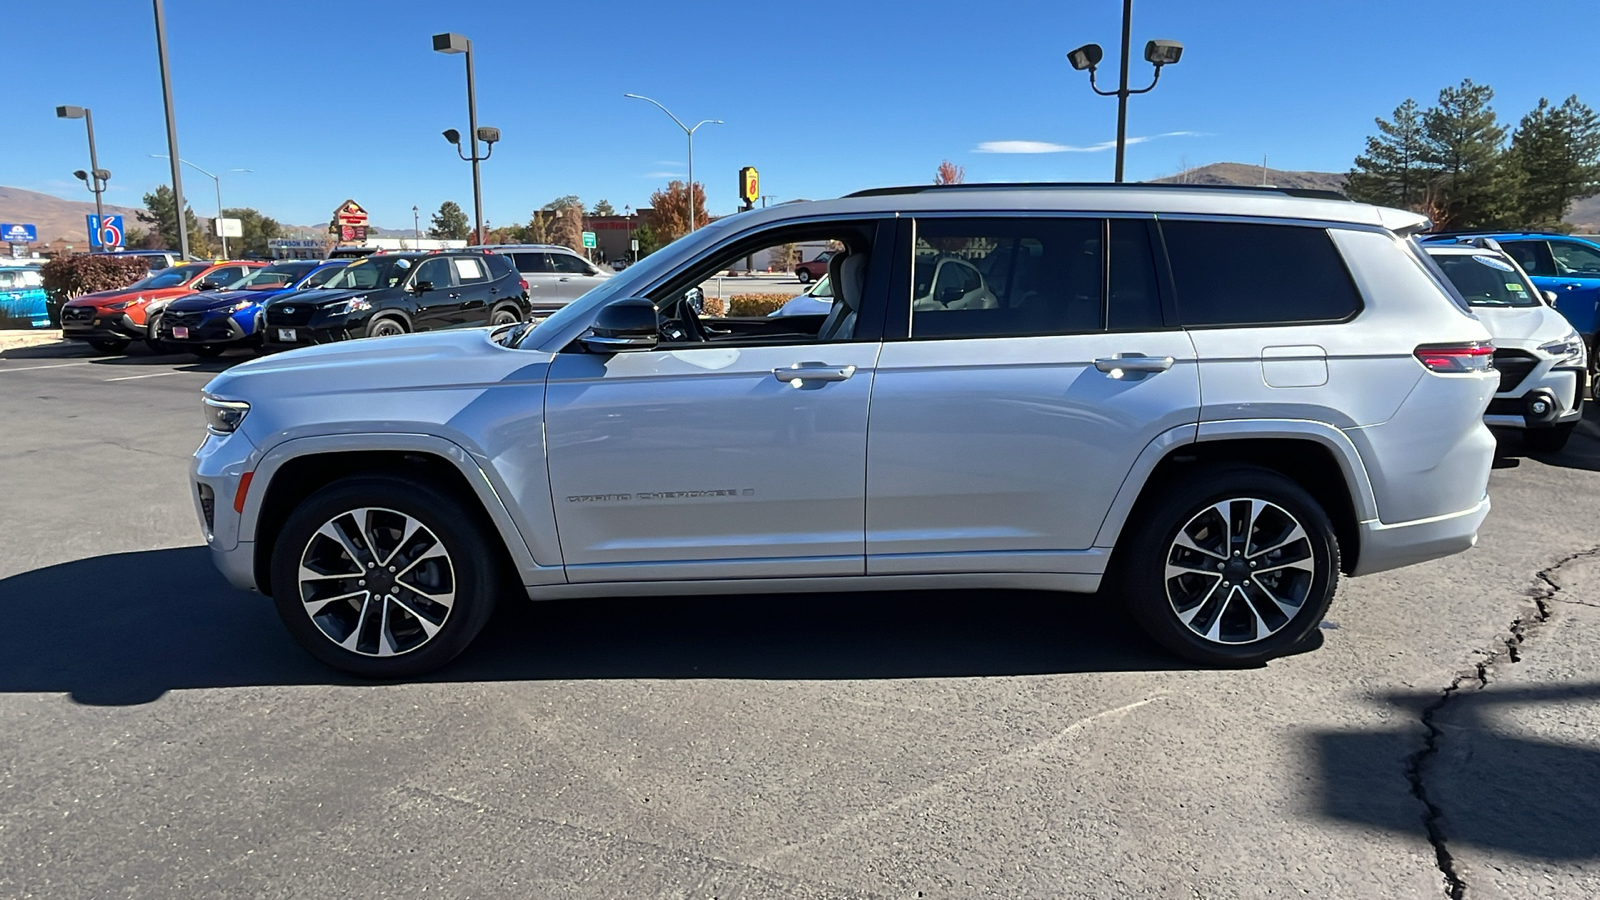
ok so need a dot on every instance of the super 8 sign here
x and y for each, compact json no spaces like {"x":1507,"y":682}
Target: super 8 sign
{"x":749,"y":184}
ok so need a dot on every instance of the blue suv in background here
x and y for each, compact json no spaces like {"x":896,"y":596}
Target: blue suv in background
{"x":1563,"y":265}
{"x":209,"y":323}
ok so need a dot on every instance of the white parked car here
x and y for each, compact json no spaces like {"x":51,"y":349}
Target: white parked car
{"x":556,"y":275}
{"x":1218,"y":401}
{"x":1541,"y":358}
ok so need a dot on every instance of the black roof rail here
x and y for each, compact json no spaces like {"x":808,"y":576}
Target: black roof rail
{"x":1305,"y":193}
{"x":1484,"y":231}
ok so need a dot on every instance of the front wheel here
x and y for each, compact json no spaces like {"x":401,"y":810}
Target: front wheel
{"x":383,"y":577}
{"x":385,"y":328}
{"x":804,"y":276}
{"x":1232,"y":566}
{"x":154,"y":341}
{"x":1548,"y":440}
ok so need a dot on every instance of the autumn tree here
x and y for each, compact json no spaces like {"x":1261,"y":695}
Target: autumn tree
{"x":950,"y":173}
{"x":568,"y":227}
{"x":669,"y":213}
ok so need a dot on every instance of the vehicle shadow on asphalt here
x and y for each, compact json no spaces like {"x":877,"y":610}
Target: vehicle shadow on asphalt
{"x":125,"y":628}
{"x":1581,"y":452}
{"x":136,"y":355}
{"x":1509,"y":792}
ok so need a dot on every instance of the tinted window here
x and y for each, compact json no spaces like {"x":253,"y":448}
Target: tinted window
{"x":435,"y":270}
{"x":321,"y":276}
{"x":1229,"y":273}
{"x":1533,"y":256}
{"x":1134,"y":302}
{"x":567,"y":264}
{"x":373,"y":272}
{"x":1005,"y":277}
{"x":532,"y":263}
{"x":499,"y":266}
{"x":1576,"y":258}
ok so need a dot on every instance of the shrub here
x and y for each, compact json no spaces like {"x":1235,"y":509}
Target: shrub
{"x":755,"y":304}
{"x":66,"y":277}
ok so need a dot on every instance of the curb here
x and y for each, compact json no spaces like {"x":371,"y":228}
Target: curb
{"x":12,"y":340}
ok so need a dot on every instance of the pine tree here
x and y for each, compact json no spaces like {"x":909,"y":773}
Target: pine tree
{"x":1556,"y":152}
{"x":1391,"y":172}
{"x":449,"y":223}
{"x":604,"y":208}
{"x":1463,"y":143}
{"x":160,"y":212}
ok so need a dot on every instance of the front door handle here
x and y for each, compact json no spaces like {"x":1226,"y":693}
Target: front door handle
{"x":1116,"y":366}
{"x":800,"y":373}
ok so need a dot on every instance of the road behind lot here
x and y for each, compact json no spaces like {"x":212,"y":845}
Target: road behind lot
{"x":161,"y":736}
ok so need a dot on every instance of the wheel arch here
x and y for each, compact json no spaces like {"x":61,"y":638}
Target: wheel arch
{"x":1315,"y":455}
{"x":295,"y":469}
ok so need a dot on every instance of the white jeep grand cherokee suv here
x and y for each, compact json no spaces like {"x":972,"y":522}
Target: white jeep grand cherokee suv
{"x":1215,"y":401}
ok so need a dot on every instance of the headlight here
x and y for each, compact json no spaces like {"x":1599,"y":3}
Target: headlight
{"x":241,"y":306}
{"x":121,"y":304}
{"x":224,"y":416}
{"x":1569,"y":351}
{"x":346,"y":307}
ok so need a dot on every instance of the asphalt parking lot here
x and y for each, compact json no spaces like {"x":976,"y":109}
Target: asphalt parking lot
{"x":160,"y":735}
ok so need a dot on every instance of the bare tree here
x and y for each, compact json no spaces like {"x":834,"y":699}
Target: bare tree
{"x":950,"y":173}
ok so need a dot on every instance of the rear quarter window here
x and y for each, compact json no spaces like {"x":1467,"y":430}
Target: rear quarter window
{"x":1236,"y":273}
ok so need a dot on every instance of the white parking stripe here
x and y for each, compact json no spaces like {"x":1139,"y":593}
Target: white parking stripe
{"x":55,"y":366}
{"x":132,"y":377}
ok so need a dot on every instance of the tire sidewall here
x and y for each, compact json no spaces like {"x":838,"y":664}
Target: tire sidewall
{"x":391,"y":321}
{"x":504,"y":310}
{"x":1143,"y":579}
{"x":804,"y":276}
{"x":474,"y":569}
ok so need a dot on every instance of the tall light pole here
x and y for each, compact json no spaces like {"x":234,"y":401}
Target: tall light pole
{"x":690,"y":132}
{"x":416,"y":228}
{"x":172,"y":132}
{"x":218,"y":181}
{"x":1157,"y":53}
{"x":95,"y":179}
{"x":450,"y":42}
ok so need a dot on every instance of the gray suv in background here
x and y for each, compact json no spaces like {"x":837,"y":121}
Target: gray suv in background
{"x":556,"y":275}
{"x":1211,"y":402}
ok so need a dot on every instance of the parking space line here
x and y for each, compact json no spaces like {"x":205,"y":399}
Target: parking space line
{"x":132,"y":377}
{"x":53,"y":366}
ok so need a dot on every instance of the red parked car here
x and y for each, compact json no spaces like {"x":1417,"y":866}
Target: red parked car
{"x":808,"y":272}
{"x":110,"y":320}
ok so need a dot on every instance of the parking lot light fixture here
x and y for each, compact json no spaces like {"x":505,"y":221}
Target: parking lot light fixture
{"x":100,"y":176}
{"x":690,"y":132}
{"x":1158,"y":53}
{"x":217,"y":181}
{"x":450,"y":42}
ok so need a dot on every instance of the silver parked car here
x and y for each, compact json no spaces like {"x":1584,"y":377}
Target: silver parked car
{"x":556,"y":275}
{"x":1215,"y":401}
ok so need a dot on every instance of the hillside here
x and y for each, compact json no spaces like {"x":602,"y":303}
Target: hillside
{"x":55,"y":217}
{"x":1248,"y":174}
{"x":1585,"y":216}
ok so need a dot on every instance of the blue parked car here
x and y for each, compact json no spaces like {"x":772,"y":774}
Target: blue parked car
{"x":208,"y":323}
{"x":1567,"y":267}
{"x":22,"y":297}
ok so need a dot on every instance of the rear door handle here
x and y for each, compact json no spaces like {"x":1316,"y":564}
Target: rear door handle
{"x":800,"y":373}
{"x":1132,"y":362}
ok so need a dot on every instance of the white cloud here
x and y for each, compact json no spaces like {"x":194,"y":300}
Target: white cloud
{"x":663,"y":175}
{"x":1047,"y":147}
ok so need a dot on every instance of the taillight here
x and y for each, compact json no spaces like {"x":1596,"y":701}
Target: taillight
{"x":1473,"y":357}
{"x":523,"y":282}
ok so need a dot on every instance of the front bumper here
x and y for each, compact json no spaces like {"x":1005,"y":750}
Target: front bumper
{"x":319,"y":330}
{"x":214,"y":329}
{"x":214,"y":475}
{"x":1385,"y":547}
{"x":1561,"y":391}
{"x":99,"y":325}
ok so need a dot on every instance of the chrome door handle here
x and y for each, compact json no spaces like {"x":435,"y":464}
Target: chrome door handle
{"x":1132,"y":362}
{"x":800,"y":373}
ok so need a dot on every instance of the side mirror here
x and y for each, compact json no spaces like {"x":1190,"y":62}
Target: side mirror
{"x":209,"y":286}
{"x":422,"y":287}
{"x":1550,"y":297}
{"x":628,"y":324}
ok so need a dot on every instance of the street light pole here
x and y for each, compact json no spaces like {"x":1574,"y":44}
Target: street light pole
{"x":218,"y":182}
{"x":455,"y":43}
{"x":416,"y":229}
{"x":96,"y":182}
{"x":172,"y":132}
{"x":1158,"y":53}
{"x":690,"y":132}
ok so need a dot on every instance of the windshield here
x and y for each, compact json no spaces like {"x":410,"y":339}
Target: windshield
{"x":167,"y":278}
{"x":277,"y":275}
{"x":1487,"y":280}
{"x":372,"y":272}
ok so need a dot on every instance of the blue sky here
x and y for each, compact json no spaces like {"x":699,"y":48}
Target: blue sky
{"x":329,"y":100}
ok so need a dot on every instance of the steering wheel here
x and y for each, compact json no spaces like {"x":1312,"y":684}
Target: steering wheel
{"x":686,"y":327}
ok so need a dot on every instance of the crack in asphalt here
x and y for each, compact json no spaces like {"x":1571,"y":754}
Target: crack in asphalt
{"x":1522,"y":628}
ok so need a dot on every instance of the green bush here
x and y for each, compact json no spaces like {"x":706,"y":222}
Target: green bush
{"x":66,"y":277}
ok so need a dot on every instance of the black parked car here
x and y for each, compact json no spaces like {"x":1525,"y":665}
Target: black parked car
{"x":395,"y":293}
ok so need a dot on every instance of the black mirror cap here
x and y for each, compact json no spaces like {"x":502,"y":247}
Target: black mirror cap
{"x":629,"y":317}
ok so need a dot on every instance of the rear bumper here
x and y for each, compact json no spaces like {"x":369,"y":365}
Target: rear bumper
{"x":1385,"y":547}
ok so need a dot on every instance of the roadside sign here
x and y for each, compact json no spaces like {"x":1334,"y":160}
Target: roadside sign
{"x":350,"y":213}
{"x":635,"y":243}
{"x":588,"y":240}
{"x":233,"y":228}
{"x":105,"y":233}
{"x":749,"y":184}
{"x":18,"y":234}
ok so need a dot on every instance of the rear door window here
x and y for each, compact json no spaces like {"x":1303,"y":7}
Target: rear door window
{"x":567,"y":264}
{"x":532,"y":263}
{"x":469,"y":270}
{"x":1533,"y":256}
{"x":1236,"y":273}
{"x":1576,"y":258}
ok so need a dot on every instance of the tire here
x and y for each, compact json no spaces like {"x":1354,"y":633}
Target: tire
{"x":108,"y":346}
{"x":462,"y":582}
{"x":386,"y":326}
{"x":1247,"y":626}
{"x":153,"y":328}
{"x":504,"y":315}
{"x":1548,"y":440}
{"x":208,"y":351}
{"x":804,"y":276}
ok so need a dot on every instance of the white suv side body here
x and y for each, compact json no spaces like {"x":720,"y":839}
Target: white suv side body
{"x":1034,"y":461}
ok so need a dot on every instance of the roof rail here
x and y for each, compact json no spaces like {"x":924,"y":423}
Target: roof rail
{"x":1305,"y":193}
{"x":1432,"y":235}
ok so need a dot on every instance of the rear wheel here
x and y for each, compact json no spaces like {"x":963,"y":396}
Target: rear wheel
{"x":385,"y":327}
{"x":1232,"y":567}
{"x":804,"y":276}
{"x":504,"y":315}
{"x":108,"y":345}
{"x":1548,"y":440}
{"x":382,"y":577}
